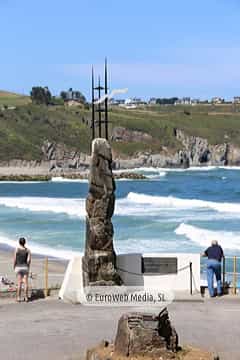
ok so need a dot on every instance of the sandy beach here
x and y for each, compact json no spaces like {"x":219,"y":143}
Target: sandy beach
{"x":56,"y":270}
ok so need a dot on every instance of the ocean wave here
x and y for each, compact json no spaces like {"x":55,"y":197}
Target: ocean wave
{"x":203,"y":237}
{"x":144,"y":169}
{"x":41,"y":249}
{"x":21,"y":182}
{"x":148,"y":245}
{"x":135,"y":204}
{"x":170,"y":202}
{"x":72,"y":207}
{"x":63,"y":179}
{"x":160,"y":174}
{"x":192,"y":168}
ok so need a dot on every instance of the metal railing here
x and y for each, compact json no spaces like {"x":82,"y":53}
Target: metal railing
{"x":48,"y":273}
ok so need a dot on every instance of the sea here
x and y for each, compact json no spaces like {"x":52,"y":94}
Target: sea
{"x":173,"y":210}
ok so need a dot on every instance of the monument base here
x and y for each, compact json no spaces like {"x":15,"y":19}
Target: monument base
{"x":72,"y":287}
{"x":99,"y":269}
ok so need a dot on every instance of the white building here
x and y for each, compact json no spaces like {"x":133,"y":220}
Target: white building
{"x":184,"y":101}
{"x":152,"y":101}
{"x":236,"y":99}
{"x":217,"y":100}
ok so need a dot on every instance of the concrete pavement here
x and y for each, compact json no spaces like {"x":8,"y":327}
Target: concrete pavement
{"x":51,"y":329}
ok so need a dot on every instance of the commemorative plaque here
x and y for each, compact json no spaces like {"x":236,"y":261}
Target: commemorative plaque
{"x":159,"y":265}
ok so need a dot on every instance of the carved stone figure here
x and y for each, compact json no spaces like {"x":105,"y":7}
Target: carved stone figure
{"x":99,"y":257}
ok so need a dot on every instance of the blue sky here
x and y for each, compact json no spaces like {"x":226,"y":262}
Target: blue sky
{"x":155,"y":48}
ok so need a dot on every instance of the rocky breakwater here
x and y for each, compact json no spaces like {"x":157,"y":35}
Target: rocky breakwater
{"x":99,"y":258}
{"x":119,"y":176}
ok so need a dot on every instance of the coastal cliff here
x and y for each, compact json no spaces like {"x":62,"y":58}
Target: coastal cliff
{"x":194,"y":151}
{"x":58,"y":159}
{"x":54,"y":141}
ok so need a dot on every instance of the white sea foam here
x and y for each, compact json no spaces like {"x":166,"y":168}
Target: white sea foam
{"x":147,"y":245}
{"x":170,"y":202}
{"x":63,"y":179}
{"x":203,"y":237}
{"x":192,"y":168}
{"x":72,"y":207}
{"x":41,"y":249}
{"x":140,"y":169}
{"x":21,"y":182}
{"x":134,"y":204}
{"x":157,"y":176}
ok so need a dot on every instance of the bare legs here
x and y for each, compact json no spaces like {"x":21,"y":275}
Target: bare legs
{"x":19,"y":286}
{"x":25,"y":281}
{"x":22,"y":279}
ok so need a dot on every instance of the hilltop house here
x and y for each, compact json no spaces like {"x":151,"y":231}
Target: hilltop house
{"x":116,"y":101}
{"x":184,"y":101}
{"x":72,"y":97}
{"x":236,"y":99}
{"x":152,"y":101}
{"x":135,"y":101}
{"x":217,"y":100}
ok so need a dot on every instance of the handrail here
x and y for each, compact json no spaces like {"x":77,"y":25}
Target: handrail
{"x":191,"y":278}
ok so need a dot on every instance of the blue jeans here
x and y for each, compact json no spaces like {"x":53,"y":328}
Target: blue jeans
{"x":214,"y":268}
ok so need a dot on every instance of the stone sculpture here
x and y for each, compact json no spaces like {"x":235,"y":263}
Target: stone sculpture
{"x":99,"y":258}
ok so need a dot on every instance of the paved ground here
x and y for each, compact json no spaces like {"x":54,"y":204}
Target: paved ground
{"x":51,"y":329}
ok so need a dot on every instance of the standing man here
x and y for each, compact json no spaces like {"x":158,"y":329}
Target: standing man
{"x":215,"y":255}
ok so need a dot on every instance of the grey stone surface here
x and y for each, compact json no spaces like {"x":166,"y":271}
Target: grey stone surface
{"x":51,"y":329}
{"x":122,"y":134}
{"x":58,"y":159}
{"x":146,"y":334}
{"x":99,"y":257}
{"x":195,"y":151}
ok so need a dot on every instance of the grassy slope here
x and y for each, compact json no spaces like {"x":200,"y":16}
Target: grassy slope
{"x":22,"y":131}
{"x":216,"y":123}
{"x":12,"y":99}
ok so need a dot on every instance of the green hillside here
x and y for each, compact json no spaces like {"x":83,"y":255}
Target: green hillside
{"x":218,"y":124}
{"x":23,"y":130}
{"x":12,"y":99}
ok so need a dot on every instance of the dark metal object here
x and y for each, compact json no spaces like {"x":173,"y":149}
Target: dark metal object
{"x":99,"y":109}
{"x":93,"y":107}
{"x":157,"y":265}
{"x":223,"y":273}
{"x":106,"y":101}
{"x":191,"y":278}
